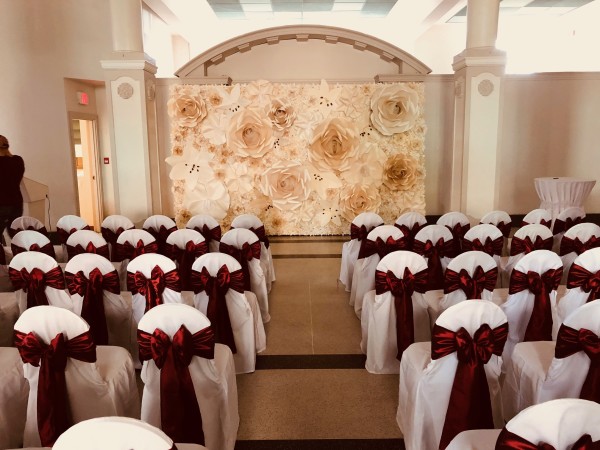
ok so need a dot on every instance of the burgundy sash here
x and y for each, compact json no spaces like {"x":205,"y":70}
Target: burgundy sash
{"x":489,"y":246}
{"x":92,"y":290}
{"x":128,"y":251}
{"x":402,"y":289}
{"x":217,"y":312}
{"x":360,"y":234}
{"x":409,"y":233}
{"x":243,"y":255}
{"x":47,"y":249}
{"x":260,"y":234}
{"x":185,"y":258}
{"x":469,"y":407}
{"x":78,"y":249}
{"x":111,"y":236}
{"x":588,"y":282}
{"x":381,"y":247}
{"x":152,"y":288}
{"x":504,"y":228}
{"x":539,"y":327}
{"x":161,"y":236}
{"x":53,"y":411}
{"x":63,"y":235}
{"x":36,"y":282}
{"x":13,"y":231}
{"x":209,"y":234}
{"x":434,"y":254}
{"x":560,"y":226}
{"x":546,"y":223}
{"x":458,"y":233}
{"x":2,"y":255}
{"x":472,"y":286}
{"x":571,"y":341}
{"x":510,"y":441}
{"x":180,"y":415}
{"x":526,"y":245}
{"x":568,"y":245}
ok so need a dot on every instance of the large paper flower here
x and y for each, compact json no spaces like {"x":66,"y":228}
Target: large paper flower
{"x":334,"y":145}
{"x":287,"y":184}
{"x":209,"y":198}
{"x":281,"y":114}
{"x":394,"y":109}
{"x":186,"y":109}
{"x":368,"y":167}
{"x":357,"y":199}
{"x":401,"y":172}
{"x":193,"y":166}
{"x":250,"y":133}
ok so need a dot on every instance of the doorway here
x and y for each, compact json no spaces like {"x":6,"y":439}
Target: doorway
{"x":84,"y":139}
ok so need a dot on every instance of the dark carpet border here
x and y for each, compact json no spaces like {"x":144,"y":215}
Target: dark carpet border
{"x":282,"y":362}
{"x":323,"y":444}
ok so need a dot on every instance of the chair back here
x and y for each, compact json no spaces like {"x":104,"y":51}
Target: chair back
{"x":86,"y":241}
{"x":69,"y":224}
{"x":30,"y":240}
{"x":500,"y":219}
{"x":485,"y":237}
{"x":26,"y":223}
{"x":209,"y":228}
{"x":410,"y":223}
{"x":160,"y":227}
{"x":133,"y":243}
{"x":436,"y":244}
{"x":458,"y":224}
{"x":567,"y":218}
{"x":538,"y":216}
{"x":184,"y":246}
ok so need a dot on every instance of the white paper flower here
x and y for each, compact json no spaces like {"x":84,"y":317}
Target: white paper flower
{"x":368,"y":166}
{"x":323,"y":182}
{"x":327,"y":212}
{"x":287,"y":184}
{"x":209,"y":198}
{"x":334,"y":145}
{"x":192,"y":167}
{"x":214,"y":128}
{"x":394,"y":109}
{"x":250,"y":133}
{"x":186,"y":109}
{"x":327,"y":98}
{"x":259,"y":92}
{"x":281,"y":114}
{"x":237,"y":178}
{"x":358,"y":199}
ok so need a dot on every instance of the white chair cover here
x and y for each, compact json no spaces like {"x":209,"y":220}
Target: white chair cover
{"x":501,"y":220}
{"x":576,"y":240}
{"x":184,"y":246}
{"x":350,"y":249}
{"x":29,"y":240}
{"x":132,"y":243}
{"x":410,"y":223}
{"x":458,"y":223}
{"x":254,"y":224}
{"x":576,"y":294}
{"x":106,"y":387}
{"x":243,"y":310}
{"x":378,"y":321}
{"x":519,"y":306}
{"x":89,"y":242}
{"x":432,"y":234}
{"x":363,"y":278}
{"x":65,"y":227}
{"x":13,"y":398}
{"x":539,"y":235}
{"x":426,"y":384}
{"x":538,"y":216}
{"x":117,"y":433}
{"x":535,"y":375}
{"x":564,"y":221}
{"x":160,"y":227}
{"x":258,"y":283}
{"x":36,"y":260}
{"x":487,"y":238}
{"x":208,"y":227}
{"x":9,"y":313}
{"x":26,"y":223}
{"x":112,"y":226}
{"x":214,"y":380}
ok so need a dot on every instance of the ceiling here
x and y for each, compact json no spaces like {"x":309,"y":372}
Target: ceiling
{"x":530,"y":7}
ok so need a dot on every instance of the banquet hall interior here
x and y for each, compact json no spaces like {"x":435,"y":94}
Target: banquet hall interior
{"x":140,"y":108}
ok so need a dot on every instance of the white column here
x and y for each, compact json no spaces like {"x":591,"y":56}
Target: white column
{"x":126,"y":19}
{"x":482,"y":23}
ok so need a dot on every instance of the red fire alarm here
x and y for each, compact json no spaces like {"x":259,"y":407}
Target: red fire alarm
{"x":82,"y":98}
{"x":106,"y":160}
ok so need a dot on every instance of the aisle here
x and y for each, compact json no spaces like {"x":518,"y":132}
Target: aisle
{"x":310,"y":389}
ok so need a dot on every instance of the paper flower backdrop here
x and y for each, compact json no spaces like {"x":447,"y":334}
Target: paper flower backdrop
{"x":305,"y":158}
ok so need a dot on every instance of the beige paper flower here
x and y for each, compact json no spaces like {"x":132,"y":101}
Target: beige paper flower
{"x":401,"y":172}
{"x":394,"y":109}
{"x":357,"y":199}
{"x":287,"y":184}
{"x":282,"y":114}
{"x":250,"y":133}
{"x":334,"y":145}
{"x":186,"y":110}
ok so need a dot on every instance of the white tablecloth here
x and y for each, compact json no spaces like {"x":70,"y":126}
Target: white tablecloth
{"x":560,"y":193}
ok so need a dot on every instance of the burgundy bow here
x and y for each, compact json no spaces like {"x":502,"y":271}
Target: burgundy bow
{"x":489,"y":246}
{"x":381,"y":247}
{"x":504,"y":228}
{"x":568,"y":245}
{"x":13,"y":231}
{"x":185,"y":258}
{"x":526,"y":245}
{"x":128,"y":251}
{"x":47,"y":249}
{"x":510,"y":441}
{"x":111,"y":236}
{"x":161,"y":236}
{"x":63,"y":235}
{"x":179,"y":411}
{"x":409,"y":233}
{"x":78,"y":249}
{"x":434,"y":254}
{"x":560,"y":226}
{"x":458,"y":233}
{"x":402,"y":289}
{"x":36,"y":282}
{"x":216,"y":288}
{"x":472,"y":286}
{"x":261,"y":234}
{"x":543,"y":222}
{"x":539,"y":327}
{"x":152,"y":288}
{"x":360,"y":234}
{"x":243,"y":255}
{"x":209,"y":234}
{"x":570,"y":341}
{"x":92,"y":290}
{"x":469,"y":407}
{"x":53,"y":412}
{"x":580,"y":277}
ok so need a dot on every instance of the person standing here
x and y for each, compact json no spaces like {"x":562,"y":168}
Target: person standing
{"x":12,"y":169}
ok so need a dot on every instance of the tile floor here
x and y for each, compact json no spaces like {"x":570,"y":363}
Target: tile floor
{"x":310,"y":389}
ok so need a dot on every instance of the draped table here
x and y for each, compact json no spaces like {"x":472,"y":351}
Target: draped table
{"x":559,"y":193}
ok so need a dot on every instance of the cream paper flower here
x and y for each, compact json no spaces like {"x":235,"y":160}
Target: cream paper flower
{"x":214,"y":128}
{"x":250,"y":133}
{"x":287,"y":184}
{"x":368,"y":167}
{"x":237,"y":178}
{"x":334,"y":145}
{"x":357,"y":199}
{"x":209,"y":198}
{"x":394,"y":109}
{"x":323,"y":182}
{"x":186,"y":109}
{"x":281,"y":114}
{"x":259,"y":92}
{"x":191,"y":167}
{"x":401,"y":172}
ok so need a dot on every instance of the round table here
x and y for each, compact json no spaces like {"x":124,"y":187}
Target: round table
{"x":560,"y":193}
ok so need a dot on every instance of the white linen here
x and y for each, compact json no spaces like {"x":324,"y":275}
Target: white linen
{"x":583,"y":232}
{"x":559,"y":193}
{"x":532,"y":231}
{"x":199,"y":221}
{"x":474,"y":440}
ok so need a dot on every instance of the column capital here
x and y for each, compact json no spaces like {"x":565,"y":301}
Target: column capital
{"x":130,"y":61}
{"x":479,"y":57}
